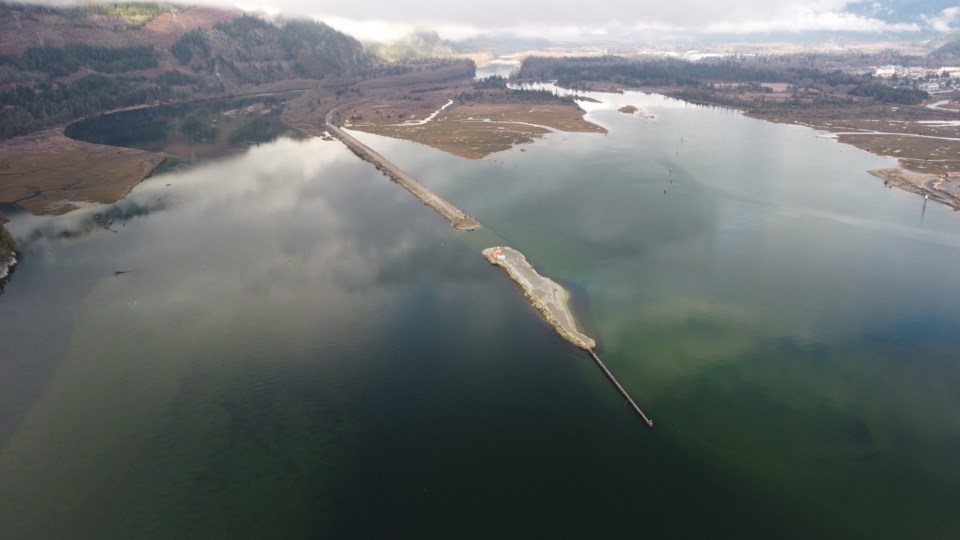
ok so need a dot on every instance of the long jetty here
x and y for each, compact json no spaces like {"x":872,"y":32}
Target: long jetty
{"x":445,"y":208}
{"x":620,"y":388}
{"x":552,"y":301}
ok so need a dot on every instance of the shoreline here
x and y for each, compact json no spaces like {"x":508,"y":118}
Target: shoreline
{"x":7,"y":262}
{"x":9,"y":250}
{"x":900,"y":178}
{"x":110,"y":173}
{"x":914,"y":159}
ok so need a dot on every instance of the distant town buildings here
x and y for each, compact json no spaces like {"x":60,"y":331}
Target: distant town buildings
{"x":886,"y":71}
{"x":931,"y":80}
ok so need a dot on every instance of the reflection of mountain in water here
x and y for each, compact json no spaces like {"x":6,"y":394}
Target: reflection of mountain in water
{"x":191,"y":132}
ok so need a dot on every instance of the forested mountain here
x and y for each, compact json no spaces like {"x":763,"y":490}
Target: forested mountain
{"x":421,"y":44}
{"x":949,"y":50}
{"x":60,"y":64}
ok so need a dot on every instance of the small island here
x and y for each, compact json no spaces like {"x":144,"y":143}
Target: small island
{"x":552,"y":300}
{"x":633,"y":110}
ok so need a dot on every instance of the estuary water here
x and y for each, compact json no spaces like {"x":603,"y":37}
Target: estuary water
{"x":300,"y":349}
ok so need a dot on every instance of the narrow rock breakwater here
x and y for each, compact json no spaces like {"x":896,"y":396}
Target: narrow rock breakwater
{"x":445,"y":208}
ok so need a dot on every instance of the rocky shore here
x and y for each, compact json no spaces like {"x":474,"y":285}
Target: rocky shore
{"x":550,"y":299}
{"x":921,"y":184}
{"x":8,"y":253}
{"x":7,"y":262}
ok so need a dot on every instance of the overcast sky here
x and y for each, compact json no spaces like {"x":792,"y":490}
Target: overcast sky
{"x":379,"y":19}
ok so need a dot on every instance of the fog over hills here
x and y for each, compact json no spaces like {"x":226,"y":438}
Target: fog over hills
{"x":624,"y":19}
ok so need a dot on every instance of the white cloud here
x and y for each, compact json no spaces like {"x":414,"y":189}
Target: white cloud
{"x":370,"y":30}
{"x":943,"y":22}
{"x":812,"y":21}
{"x":384,"y":20}
{"x":546,"y":18}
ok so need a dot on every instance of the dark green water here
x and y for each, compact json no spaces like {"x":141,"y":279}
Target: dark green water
{"x":301,"y":349}
{"x":195,"y":132}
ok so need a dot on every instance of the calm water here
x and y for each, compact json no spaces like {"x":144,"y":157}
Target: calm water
{"x":503,"y":66}
{"x":301,"y":349}
{"x":195,"y":132}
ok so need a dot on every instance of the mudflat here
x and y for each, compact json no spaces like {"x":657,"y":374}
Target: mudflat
{"x":476,"y":130}
{"x":45,"y":172}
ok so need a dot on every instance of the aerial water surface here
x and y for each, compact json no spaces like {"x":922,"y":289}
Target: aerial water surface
{"x":297,"y":348}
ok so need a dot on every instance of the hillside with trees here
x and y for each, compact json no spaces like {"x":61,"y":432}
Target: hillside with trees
{"x":53,"y":81}
{"x":949,"y":50}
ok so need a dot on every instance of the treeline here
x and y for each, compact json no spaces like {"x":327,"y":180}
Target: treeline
{"x":136,"y":14}
{"x":260,"y":51}
{"x":888,"y":94}
{"x":314,"y":48}
{"x":709,"y":81}
{"x":131,"y":14}
{"x":43,"y":101}
{"x":515,"y":96}
{"x":667,"y":72}
{"x":432,"y":69}
{"x":672,"y":72}
{"x":494,"y":81}
{"x":62,"y":61}
{"x":25,"y":109}
{"x":190,"y":44}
